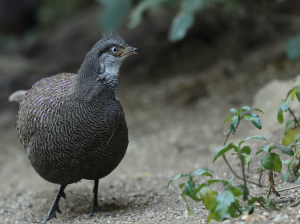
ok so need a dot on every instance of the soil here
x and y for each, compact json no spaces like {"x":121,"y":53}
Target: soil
{"x":174,"y":109}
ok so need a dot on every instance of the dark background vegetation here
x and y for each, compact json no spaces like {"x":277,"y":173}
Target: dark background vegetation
{"x":199,"y":58}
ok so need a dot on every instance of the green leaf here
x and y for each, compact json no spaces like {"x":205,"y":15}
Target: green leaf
{"x":190,"y":190}
{"x":284,"y":150}
{"x":234,"y":111}
{"x":208,"y":197}
{"x":286,"y":176}
{"x":245,"y":154}
{"x":289,"y":124}
{"x":221,"y":150}
{"x":298,"y":180}
{"x":253,"y":118}
{"x":290,"y":163}
{"x":177,"y":177}
{"x":259,"y":110}
{"x":280,"y":116}
{"x":245,"y":191}
{"x":181,"y":185}
{"x":212,"y":216}
{"x":284,"y":106}
{"x":271,"y":161}
{"x":190,"y":211}
{"x":293,"y":93}
{"x":113,"y":14}
{"x":298,"y":93}
{"x":236,"y":192}
{"x":228,"y":118}
{"x":199,"y":187}
{"x":203,"y":172}
{"x":293,"y":47}
{"x":136,"y":15}
{"x":180,"y":24}
{"x":209,"y":182}
{"x":270,"y":204}
{"x":224,"y":200}
{"x":184,"y":19}
{"x":267,"y":148}
{"x":298,"y":143}
{"x":252,"y":137}
{"x":291,"y":136}
{"x":289,"y":93}
{"x":234,"y":124}
{"x":232,"y":210}
{"x":246,"y":108}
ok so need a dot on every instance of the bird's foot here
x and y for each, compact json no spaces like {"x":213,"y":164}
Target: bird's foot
{"x":96,"y":209}
{"x":49,"y":217}
{"x":51,"y":214}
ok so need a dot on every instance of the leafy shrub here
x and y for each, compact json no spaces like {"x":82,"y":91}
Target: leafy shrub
{"x":236,"y":199}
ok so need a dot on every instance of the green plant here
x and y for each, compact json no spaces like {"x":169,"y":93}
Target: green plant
{"x":291,"y":133}
{"x":236,"y":199}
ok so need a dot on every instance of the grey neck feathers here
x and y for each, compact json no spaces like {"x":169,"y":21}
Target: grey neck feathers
{"x":94,"y":80}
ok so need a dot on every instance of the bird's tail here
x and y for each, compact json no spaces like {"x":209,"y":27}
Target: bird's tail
{"x":17,"y":96}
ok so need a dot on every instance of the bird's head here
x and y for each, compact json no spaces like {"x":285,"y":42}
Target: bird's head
{"x":105,"y":58}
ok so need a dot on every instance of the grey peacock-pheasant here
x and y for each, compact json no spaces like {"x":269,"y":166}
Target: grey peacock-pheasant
{"x":72,"y":126}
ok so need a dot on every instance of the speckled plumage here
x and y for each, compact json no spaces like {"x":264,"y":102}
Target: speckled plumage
{"x":71,"y":125}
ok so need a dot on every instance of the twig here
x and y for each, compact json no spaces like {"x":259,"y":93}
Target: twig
{"x":295,"y":204}
{"x":244,"y":177}
{"x":237,"y":208}
{"x":254,"y":196}
{"x":81,"y":196}
{"x":289,"y":188}
{"x":227,"y":136}
{"x":226,"y":161}
{"x":270,"y":179}
{"x":296,"y":120}
{"x":260,"y":176}
{"x":237,"y":176}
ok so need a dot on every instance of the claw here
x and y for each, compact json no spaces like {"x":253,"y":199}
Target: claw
{"x":55,"y":208}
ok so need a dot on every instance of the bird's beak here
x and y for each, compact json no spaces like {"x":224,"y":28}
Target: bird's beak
{"x":130,"y":50}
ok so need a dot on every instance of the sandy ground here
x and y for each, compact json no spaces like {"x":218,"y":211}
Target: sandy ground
{"x":175,"y":123}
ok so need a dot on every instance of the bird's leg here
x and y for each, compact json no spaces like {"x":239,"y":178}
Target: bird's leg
{"x":96,"y":208}
{"x":54,"y":208}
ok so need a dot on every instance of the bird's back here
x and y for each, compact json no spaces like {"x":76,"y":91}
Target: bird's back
{"x":69,"y":138}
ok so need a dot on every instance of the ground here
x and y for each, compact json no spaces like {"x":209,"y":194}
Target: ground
{"x":175,"y":123}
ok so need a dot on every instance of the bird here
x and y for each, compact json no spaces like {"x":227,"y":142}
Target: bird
{"x":73,"y":126}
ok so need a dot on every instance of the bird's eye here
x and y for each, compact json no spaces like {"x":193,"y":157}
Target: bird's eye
{"x":114,"y":50}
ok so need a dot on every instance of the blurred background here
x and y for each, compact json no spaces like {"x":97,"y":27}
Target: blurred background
{"x":199,"y":59}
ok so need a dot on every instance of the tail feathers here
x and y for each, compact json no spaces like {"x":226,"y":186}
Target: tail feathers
{"x":17,"y":96}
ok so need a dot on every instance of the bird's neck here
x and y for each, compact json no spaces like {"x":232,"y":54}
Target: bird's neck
{"x":89,"y":86}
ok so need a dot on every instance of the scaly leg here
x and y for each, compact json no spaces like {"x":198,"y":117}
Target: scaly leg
{"x":54,"y":208}
{"x":96,"y":208}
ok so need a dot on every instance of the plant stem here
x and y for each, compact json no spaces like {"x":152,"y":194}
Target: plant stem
{"x":261,"y":204}
{"x":237,"y":176}
{"x":272,"y":182}
{"x":244,"y":177}
{"x":289,"y":188}
{"x":260,"y":176}
{"x":226,"y":161}
{"x":296,"y":120}
{"x":227,"y":136}
{"x":237,"y":208}
{"x":295,"y":204}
